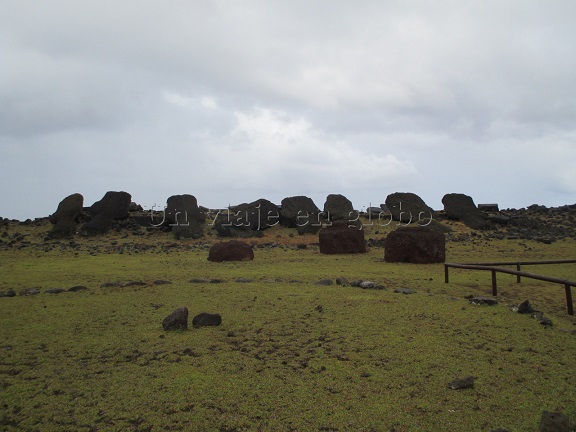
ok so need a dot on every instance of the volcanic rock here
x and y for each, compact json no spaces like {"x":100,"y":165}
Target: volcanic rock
{"x":233,"y":250}
{"x":554,"y":422}
{"x":418,"y":245}
{"x":246,"y":220}
{"x":206,"y":319}
{"x":340,"y":238}
{"x":64,"y":219}
{"x":301,"y":213}
{"x":462,"y":207}
{"x":177,"y":320}
{"x":338,"y":207}
{"x":114,"y":205}
{"x":185,"y":217}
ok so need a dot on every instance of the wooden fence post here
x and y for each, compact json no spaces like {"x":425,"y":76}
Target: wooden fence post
{"x":494,"y":287}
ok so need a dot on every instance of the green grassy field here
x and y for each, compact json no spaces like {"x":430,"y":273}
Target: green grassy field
{"x":290,"y":355}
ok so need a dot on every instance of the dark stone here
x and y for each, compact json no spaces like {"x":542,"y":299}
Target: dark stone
{"x":177,"y":320}
{"x":162,"y":282}
{"x":64,"y":219}
{"x":525,"y":308}
{"x":490,"y":301}
{"x":206,"y":319}
{"x":246,"y":220}
{"x":135,"y":283}
{"x":324,"y":282}
{"x":342,"y":281}
{"x":554,"y":422}
{"x":29,"y":292}
{"x":54,"y":291}
{"x":488,"y":207}
{"x":185,"y":217}
{"x":340,"y":238}
{"x":418,"y":245}
{"x":301,"y":213}
{"x":233,"y":250}
{"x":408,"y":208}
{"x":404,"y":291}
{"x":338,"y":207}
{"x":113,"y":206}
{"x":77,"y":288}
{"x":111,"y":285}
{"x":200,"y":280}
{"x":462,"y":383}
{"x":462,"y":207}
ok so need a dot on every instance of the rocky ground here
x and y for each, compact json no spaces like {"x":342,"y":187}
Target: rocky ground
{"x":136,"y":234}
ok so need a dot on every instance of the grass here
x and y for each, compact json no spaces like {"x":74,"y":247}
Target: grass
{"x":289,"y":355}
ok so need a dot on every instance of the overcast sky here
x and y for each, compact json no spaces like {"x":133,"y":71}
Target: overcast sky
{"x":236,"y":100}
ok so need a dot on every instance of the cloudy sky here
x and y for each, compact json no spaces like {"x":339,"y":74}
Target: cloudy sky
{"x":236,"y":100}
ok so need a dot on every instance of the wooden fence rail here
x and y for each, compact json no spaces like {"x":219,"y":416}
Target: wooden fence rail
{"x":492,"y":268}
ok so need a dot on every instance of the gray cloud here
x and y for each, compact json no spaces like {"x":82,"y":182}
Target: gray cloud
{"x":233,"y":101}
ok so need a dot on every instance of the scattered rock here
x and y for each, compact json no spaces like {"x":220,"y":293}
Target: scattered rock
{"x":177,"y":320}
{"x":77,"y":288}
{"x":233,"y":250}
{"x":340,"y":238}
{"x":404,"y":291}
{"x":418,"y":245}
{"x":541,"y":318}
{"x":29,"y":292}
{"x":111,"y":285}
{"x":243,"y":280}
{"x":524,"y":308}
{"x":554,"y":422}
{"x":342,"y":281}
{"x":324,"y":282}
{"x":490,"y":301}
{"x":135,"y":283}
{"x":54,"y":291}
{"x":9,"y":293}
{"x":206,"y":319}
{"x":201,"y":280}
{"x":462,"y":383}
{"x":161,"y":282}
{"x":367,"y":285}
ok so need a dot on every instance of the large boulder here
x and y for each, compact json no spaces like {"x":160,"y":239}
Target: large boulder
{"x":409,"y":208}
{"x":247,"y":219}
{"x":338,"y":207}
{"x":233,"y":250}
{"x":185,"y":217}
{"x":461,"y":207}
{"x":114,"y":205}
{"x":177,"y":320}
{"x":554,"y":422}
{"x":418,"y":245}
{"x":341,"y":238}
{"x":64,"y":219}
{"x":301,"y":213}
{"x":205,"y":319}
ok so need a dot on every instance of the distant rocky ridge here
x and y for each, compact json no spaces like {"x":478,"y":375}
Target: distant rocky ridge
{"x":182,"y":215}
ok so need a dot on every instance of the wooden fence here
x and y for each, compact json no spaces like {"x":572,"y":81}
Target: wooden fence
{"x":493,"y":267}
